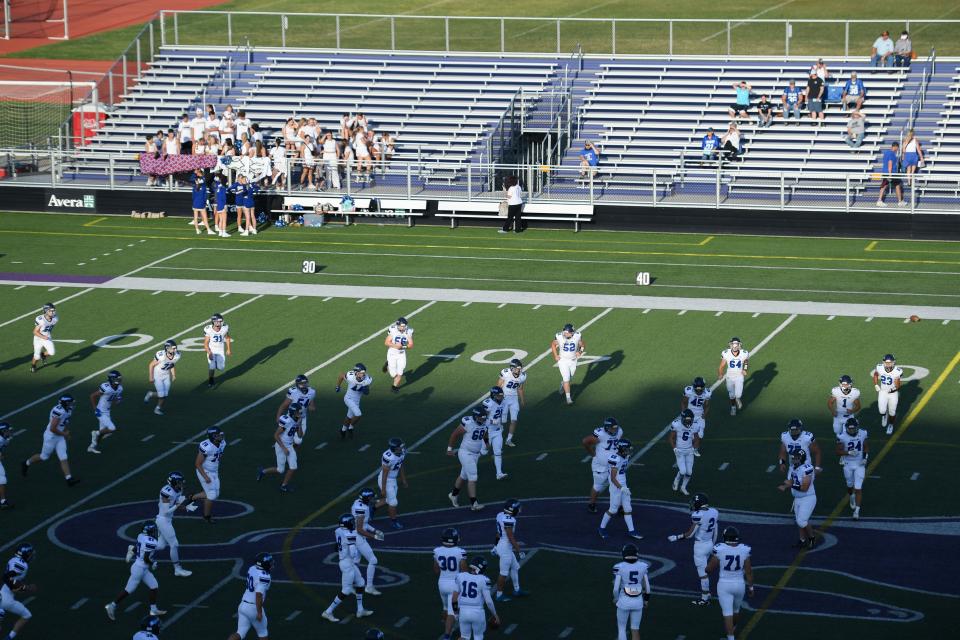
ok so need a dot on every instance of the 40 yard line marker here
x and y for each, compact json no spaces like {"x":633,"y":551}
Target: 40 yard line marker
{"x":876,"y":460}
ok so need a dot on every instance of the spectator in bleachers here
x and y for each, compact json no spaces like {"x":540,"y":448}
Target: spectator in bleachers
{"x":150,"y":149}
{"x":278,"y":157}
{"x":389,"y":146}
{"x":513,"y":194}
{"x":310,"y":129}
{"x":200,"y":146}
{"x":331,"y":161}
{"x":764,"y":112}
{"x":730,"y":143}
{"x":212,"y":126}
{"x":374,"y":143}
{"x":912,"y":155}
{"x":255,"y":134}
{"x":290,"y":134}
{"x":709,"y":146}
{"x":903,"y":50}
{"x":882,"y":50}
{"x":185,"y":133}
{"x":890,"y":169}
{"x":347,"y":123}
{"x":853,"y":93}
{"x":792,"y":99}
{"x":346,"y":156}
{"x":309,"y":160}
{"x":362,"y":151}
{"x":199,"y":125}
{"x":589,"y":159}
{"x":820,"y":69}
{"x":742,"y":105}
{"x":245,"y":145}
{"x":171,"y":146}
{"x":856,"y":129}
{"x":814,"y":98}
{"x":212,"y":147}
{"x":242,"y":124}
{"x":361,"y":122}
{"x":227,"y":125}
{"x":258,"y":150}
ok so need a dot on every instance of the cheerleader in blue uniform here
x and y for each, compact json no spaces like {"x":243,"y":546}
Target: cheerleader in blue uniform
{"x":200,"y":202}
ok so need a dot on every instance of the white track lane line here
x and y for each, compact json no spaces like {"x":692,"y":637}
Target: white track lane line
{"x":190,"y":441}
{"x":657,"y":438}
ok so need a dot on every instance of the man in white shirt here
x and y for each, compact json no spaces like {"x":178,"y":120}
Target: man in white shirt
{"x":185,"y":133}
{"x":242,"y":124}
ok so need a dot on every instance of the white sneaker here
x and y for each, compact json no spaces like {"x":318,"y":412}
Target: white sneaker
{"x":510,"y":443}
{"x":93,"y":438}
{"x":93,"y":449}
{"x":739,"y":404}
{"x":902,"y":203}
{"x":154,"y":611}
{"x":158,"y":411}
{"x":211,"y":232}
{"x":569,"y":400}
{"x":129,"y":556}
{"x":198,"y":230}
{"x":244,"y":233}
{"x":696,"y":453}
{"x":363,"y":613}
{"x":326,"y":615}
{"x":684,"y":491}
{"x":733,"y":411}
{"x":111,"y":610}
{"x":889,"y":429}
{"x":253,"y":231}
{"x":224,"y":234}
{"x":373,"y":591}
{"x":501,"y":476}
{"x":856,"y":513}
{"x":453,"y":500}
{"x":676,"y":483}
{"x":476,"y":506}
{"x":148,"y":397}
{"x":881,"y":203}
{"x":180,"y":572}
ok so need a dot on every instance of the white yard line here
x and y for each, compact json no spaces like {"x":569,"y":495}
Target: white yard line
{"x":190,"y":441}
{"x":753,"y":352}
{"x":117,"y":364}
{"x":538,"y":298}
{"x":36,"y":311}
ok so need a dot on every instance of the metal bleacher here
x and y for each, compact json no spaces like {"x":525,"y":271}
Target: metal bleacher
{"x":943,"y":154}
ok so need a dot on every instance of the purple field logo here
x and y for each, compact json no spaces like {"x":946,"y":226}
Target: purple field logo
{"x":875,"y":553}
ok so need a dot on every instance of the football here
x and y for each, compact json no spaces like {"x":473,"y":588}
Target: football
{"x":914,"y":318}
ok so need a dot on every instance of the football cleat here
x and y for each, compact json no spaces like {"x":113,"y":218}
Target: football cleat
{"x":326,"y":615}
{"x":739,"y":404}
{"x":889,"y":429}
{"x":158,"y":411}
{"x":476,"y":506}
{"x":453,"y":500}
{"x":676,"y":483}
{"x":111,"y":610}
{"x":634,"y":535}
{"x":264,"y":561}
{"x":603,"y":533}
{"x":730,"y":534}
{"x":684,"y":491}
{"x":363,"y":613}
{"x":155,"y":611}
{"x":511,"y":507}
{"x":348,"y":522}
{"x":180,"y":572}
{"x":501,"y":476}
{"x":450,"y":537}
{"x":372,"y":591}
{"x":856,"y":513}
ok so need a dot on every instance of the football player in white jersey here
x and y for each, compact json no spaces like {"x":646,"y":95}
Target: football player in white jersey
{"x":472,"y":594}
{"x":508,"y":550}
{"x":449,"y":560}
{"x":162,"y":372}
{"x":399,"y":339}
{"x":149,"y":628}
{"x":854,"y":451}
{"x":14,"y":582}
{"x":171,"y":499}
{"x":511,"y":381}
{"x":207,"y":465}
{"x":600,"y":444}
{"x":496,"y":413}
{"x":734,"y":362}
{"x":886,"y":380}
{"x":216,"y":342}
{"x":800,"y":482}
{"x":43,"y":326}
{"x":55,"y":438}
{"x":736,"y":577}
{"x":288,"y":428}
{"x":303,"y":394}
{"x":567,"y":347}
{"x":703,"y":529}
{"x":696,"y":397}
{"x":106,"y":395}
{"x":794,"y":439}
{"x":844,"y":402}
{"x":6,"y":434}
{"x":358,"y":385}
{"x":251,"y":613}
{"x":140,"y":571}
{"x":631,"y":591}
{"x":472,"y":432}
{"x":684,"y":439}
{"x":391,"y":469}
{"x":362,"y":514}
{"x":617,"y":464}
{"x":351,"y":582}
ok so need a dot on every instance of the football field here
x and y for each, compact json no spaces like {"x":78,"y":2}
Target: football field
{"x":807,"y":309}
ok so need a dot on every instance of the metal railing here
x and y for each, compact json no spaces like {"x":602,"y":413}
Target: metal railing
{"x":715,"y":187}
{"x":128,"y":69}
{"x":657,"y":36}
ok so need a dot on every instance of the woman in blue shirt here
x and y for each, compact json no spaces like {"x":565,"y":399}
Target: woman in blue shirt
{"x":200,"y":202}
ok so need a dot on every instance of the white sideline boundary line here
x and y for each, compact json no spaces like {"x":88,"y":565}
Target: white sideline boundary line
{"x":329,"y":291}
{"x":190,"y":441}
{"x":657,"y":438}
{"x":443,"y":425}
{"x":117,"y":364}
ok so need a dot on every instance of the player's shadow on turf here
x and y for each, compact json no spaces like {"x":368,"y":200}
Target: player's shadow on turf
{"x":82,"y":354}
{"x":430,"y":364}
{"x":418,"y":397}
{"x":909,"y":392}
{"x":596,"y":369}
{"x":260,"y":357}
{"x":13,"y":363}
{"x":758,"y":380}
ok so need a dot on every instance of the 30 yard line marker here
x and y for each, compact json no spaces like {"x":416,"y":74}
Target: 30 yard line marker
{"x":842,"y":504}
{"x":541,"y":456}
